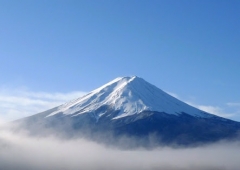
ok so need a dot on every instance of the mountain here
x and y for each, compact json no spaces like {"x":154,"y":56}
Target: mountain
{"x":134,"y":108}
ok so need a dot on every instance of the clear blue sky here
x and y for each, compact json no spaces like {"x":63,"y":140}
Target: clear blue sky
{"x":187,"y":47}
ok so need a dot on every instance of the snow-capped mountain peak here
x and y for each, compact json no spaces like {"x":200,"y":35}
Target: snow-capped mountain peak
{"x":132,"y":107}
{"x":128,"y":95}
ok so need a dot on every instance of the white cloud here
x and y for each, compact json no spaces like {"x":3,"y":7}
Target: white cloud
{"x":212,"y":109}
{"x":18,"y":103}
{"x":172,"y":94}
{"x":232,"y":104}
{"x":20,"y":152}
{"x":208,"y":108}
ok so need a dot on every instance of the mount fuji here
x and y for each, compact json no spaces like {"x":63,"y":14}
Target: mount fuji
{"x":132,"y":107}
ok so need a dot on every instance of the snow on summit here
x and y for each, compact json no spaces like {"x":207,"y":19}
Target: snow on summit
{"x":129,"y":95}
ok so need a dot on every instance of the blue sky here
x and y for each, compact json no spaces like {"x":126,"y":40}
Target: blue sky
{"x":53,"y":51}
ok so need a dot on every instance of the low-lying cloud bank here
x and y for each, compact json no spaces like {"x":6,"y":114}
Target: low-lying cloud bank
{"x":19,"y":151}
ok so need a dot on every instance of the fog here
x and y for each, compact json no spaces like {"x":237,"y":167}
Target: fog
{"x":19,"y":151}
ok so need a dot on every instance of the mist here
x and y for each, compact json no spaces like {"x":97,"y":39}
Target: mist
{"x":20,"y":151}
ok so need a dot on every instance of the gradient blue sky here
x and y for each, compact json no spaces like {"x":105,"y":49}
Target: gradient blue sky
{"x":188,"y":48}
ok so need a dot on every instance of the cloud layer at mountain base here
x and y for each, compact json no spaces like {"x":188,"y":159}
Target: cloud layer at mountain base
{"x":19,"y":151}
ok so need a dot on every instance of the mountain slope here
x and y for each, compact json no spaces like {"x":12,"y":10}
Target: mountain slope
{"x":130,"y":106}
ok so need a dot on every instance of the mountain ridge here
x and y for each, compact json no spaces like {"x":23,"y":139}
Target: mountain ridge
{"x":130,"y":95}
{"x":134,"y":108}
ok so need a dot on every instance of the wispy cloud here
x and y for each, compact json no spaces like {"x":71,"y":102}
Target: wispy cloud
{"x":216,"y":110}
{"x":173,"y":94}
{"x":233,"y":104}
{"x":212,"y":109}
{"x":18,"y":103}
